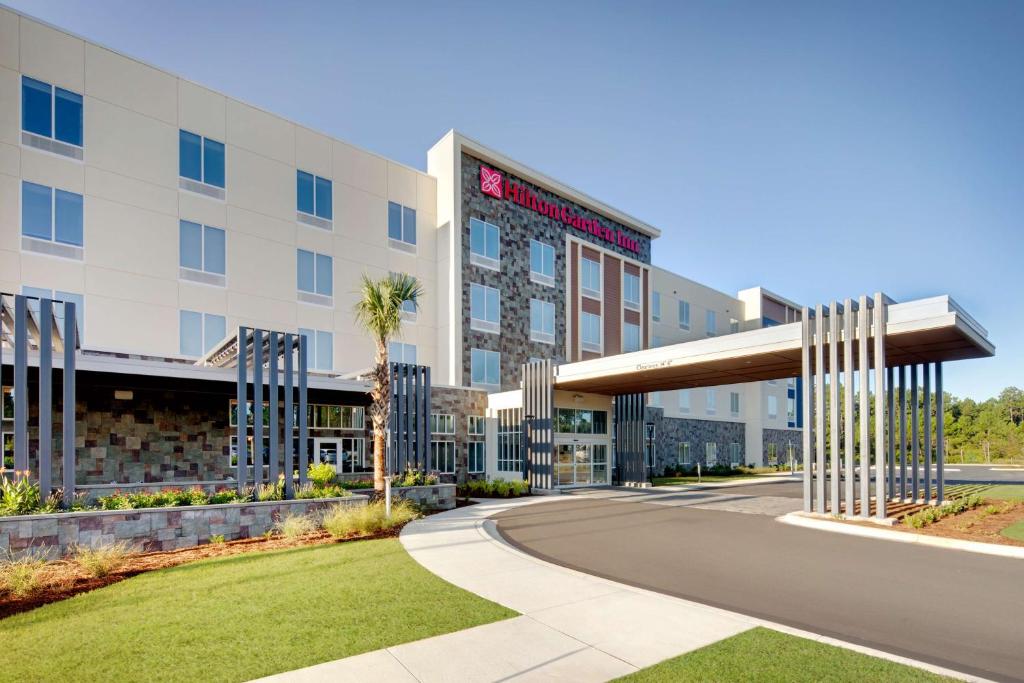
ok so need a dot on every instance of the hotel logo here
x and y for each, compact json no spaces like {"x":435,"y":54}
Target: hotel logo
{"x":491,"y":182}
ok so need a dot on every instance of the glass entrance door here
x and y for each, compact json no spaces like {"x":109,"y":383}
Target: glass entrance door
{"x":346,"y":453}
{"x":327,"y":450}
{"x":580,"y":464}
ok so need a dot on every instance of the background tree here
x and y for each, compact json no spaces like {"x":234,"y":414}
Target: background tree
{"x":379,"y":310}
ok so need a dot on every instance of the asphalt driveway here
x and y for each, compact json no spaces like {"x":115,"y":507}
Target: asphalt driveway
{"x":955,"y":609}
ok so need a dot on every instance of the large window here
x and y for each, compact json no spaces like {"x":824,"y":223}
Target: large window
{"x":475,"y":456}
{"x":631,"y":290}
{"x":685,"y":457}
{"x":442,"y":423}
{"x":319,"y":348}
{"x":51,"y":112}
{"x":684,"y":400}
{"x":590,"y":277}
{"x":484,"y":308}
{"x":485,"y":368}
{"x":321,"y":416}
{"x":711,"y":453}
{"x":735,"y":454}
{"x":200,"y":159}
{"x":734,"y":403}
{"x":581,"y":421}
{"x":510,"y":458}
{"x":401,"y":225}
{"x":711,"y":320}
{"x":484,"y":244}
{"x":198,"y":332}
{"x":773,"y":407}
{"x":542,"y":321}
{"x":201,"y":248}
{"x":656,"y":306}
{"x":542,"y":263}
{"x":791,"y":409}
{"x":630,"y":338}
{"x":476,"y":425}
{"x":711,"y":401}
{"x":442,"y":456}
{"x":50,"y":214}
{"x":684,"y":315}
{"x":313,"y":195}
{"x":400,"y":352}
{"x":590,"y":331}
{"x":315,"y":273}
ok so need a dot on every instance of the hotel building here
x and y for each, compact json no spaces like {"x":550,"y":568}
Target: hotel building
{"x":173,"y":215}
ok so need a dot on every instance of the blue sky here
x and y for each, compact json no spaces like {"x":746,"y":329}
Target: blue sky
{"x":821,"y":150}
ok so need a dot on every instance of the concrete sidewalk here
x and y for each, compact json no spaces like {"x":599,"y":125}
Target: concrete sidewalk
{"x":573,"y":626}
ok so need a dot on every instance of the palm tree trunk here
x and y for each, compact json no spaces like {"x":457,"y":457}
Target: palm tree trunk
{"x":381,"y":395}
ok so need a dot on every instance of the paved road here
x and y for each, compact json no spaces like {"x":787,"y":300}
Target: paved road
{"x":983,"y":474}
{"x":955,"y":609}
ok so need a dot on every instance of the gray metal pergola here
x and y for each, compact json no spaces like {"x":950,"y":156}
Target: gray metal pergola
{"x":25,"y":331}
{"x":251,"y":351}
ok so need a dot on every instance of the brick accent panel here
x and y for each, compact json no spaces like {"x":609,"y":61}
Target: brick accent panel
{"x":611,"y":320}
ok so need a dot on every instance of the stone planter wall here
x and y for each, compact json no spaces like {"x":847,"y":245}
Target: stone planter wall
{"x":435,"y":497}
{"x":153,"y":528}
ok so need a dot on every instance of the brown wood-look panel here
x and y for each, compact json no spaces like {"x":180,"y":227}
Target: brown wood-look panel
{"x":592,"y":254}
{"x":612,"y":321}
{"x":632,"y":317}
{"x":591,"y":305}
{"x":631,"y":268}
{"x":574,"y":297}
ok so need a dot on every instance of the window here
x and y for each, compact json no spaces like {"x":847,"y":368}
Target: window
{"x":542,"y":321}
{"x":710,"y":401}
{"x":475,"y":456}
{"x":50,"y":112}
{"x":315,"y":273}
{"x":7,"y":442}
{"x":684,"y":456}
{"x":400,"y":352}
{"x":590,"y":277}
{"x":314,"y":196}
{"x":319,"y":349}
{"x":510,"y":439}
{"x":542,"y":263}
{"x":442,"y":424}
{"x":484,"y":308}
{"x":791,"y":409}
{"x":198,"y":332}
{"x":50,"y":214}
{"x":773,"y":454}
{"x":442,"y":456}
{"x":711,"y":453}
{"x":476,"y":425}
{"x":734,"y":403}
{"x":773,"y":407}
{"x":233,"y":413}
{"x":201,"y":248}
{"x":590,"y":326}
{"x":581,"y":421}
{"x":656,"y":306}
{"x":630,"y":337}
{"x":684,"y":315}
{"x":711,"y":320}
{"x":401,"y":226}
{"x":654,"y":399}
{"x":656,"y":341}
{"x":684,"y":401}
{"x":7,"y":404}
{"x":734,"y":325}
{"x":735,"y":454}
{"x":484,"y":244}
{"x":58,"y":310}
{"x":631,"y":290}
{"x":200,"y":159}
{"x":485,"y":368}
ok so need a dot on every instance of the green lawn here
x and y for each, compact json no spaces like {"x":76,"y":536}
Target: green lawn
{"x":1014,"y":531}
{"x":241,"y":617}
{"x":1005,"y":492}
{"x":763,"y":655}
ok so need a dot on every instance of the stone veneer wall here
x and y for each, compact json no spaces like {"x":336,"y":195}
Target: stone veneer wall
{"x":518,"y":225}
{"x":671,"y":431}
{"x":460,"y":402}
{"x":435,"y":497}
{"x":782,"y":438}
{"x":155,"y":528}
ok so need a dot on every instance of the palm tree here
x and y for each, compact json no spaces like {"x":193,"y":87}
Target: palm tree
{"x":379,"y":309}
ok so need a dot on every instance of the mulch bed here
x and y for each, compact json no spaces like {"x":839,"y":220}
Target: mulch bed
{"x":975,"y":525}
{"x":63,"y":579}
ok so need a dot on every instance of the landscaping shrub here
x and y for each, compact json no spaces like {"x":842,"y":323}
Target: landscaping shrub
{"x":357,"y":483}
{"x":295,"y":525}
{"x":343,"y":521}
{"x":414,"y":478}
{"x":216,"y":538}
{"x":275,"y":491}
{"x":311,"y":490}
{"x":100,"y":561}
{"x":930,"y":515}
{"x":21,"y":576}
{"x":321,"y":474}
{"x":18,"y":494}
{"x":494,"y":488}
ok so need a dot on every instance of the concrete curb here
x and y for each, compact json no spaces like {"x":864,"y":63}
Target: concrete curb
{"x":799,"y":519}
